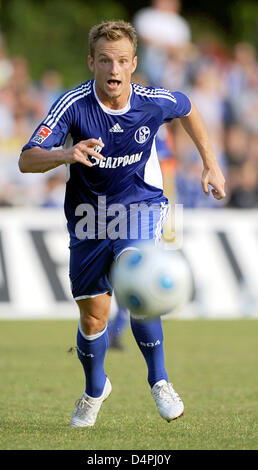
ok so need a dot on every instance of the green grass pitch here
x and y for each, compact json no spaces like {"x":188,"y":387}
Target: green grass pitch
{"x":213,"y":365}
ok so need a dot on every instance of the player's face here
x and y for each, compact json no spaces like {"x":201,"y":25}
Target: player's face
{"x":113,"y":64}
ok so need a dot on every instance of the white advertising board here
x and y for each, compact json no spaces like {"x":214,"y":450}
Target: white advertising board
{"x":221,"y":247}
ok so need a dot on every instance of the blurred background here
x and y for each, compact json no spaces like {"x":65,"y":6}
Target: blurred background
{"x":206,"y":50}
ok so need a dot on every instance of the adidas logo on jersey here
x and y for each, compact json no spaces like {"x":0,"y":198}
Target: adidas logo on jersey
{"x":116,"y":128}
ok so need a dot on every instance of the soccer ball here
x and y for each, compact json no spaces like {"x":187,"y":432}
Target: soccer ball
{"x":152,"y":281}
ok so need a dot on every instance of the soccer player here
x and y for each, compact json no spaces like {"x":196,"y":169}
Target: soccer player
{"x":105,"y":133}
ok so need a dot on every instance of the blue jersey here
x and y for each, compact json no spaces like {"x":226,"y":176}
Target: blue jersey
{"x":130,"y":172}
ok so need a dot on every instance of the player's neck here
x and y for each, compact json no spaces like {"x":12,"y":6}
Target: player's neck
{"x":116,"y":102}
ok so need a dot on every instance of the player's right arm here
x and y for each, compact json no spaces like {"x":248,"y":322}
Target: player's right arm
{"x":47,"y":149}
{"x":39,"y":160}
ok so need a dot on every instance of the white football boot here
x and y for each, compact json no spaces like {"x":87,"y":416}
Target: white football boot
{"x":169,"y":404}
{"x":87,"y":408}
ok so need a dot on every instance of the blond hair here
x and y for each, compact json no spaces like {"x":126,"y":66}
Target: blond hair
{"x":112,"y":31}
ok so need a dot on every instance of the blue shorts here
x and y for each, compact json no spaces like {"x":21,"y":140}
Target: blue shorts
{"x":91,"y":260}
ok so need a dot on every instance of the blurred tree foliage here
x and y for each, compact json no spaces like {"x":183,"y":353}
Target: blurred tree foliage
{"x":245,"y":21}
{"x":231,"y":21}
{"x":53,"y":34}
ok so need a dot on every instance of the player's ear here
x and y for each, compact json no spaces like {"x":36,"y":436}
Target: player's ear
{"x":91,"y":63}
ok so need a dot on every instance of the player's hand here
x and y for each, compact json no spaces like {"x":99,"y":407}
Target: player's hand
{"x":81,"y":152}
{"x":213,"y":176}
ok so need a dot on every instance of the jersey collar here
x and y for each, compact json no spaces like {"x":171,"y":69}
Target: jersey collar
{"x":113,"y":111}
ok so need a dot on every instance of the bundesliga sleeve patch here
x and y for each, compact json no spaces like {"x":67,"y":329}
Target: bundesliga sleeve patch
{"x":41,"y":135}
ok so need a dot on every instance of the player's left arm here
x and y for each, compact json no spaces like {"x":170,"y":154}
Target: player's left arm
{"x":212,"y":174}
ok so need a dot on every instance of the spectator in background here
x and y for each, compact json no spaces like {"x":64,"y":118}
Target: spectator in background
{"x":25,"y":90}
{"x":6,"y":68}
{"x":162,"y":32}
{"x":54,"y":190}
{"x":50,"y":87}
{"x":208,"y":91}
{"x":242,"y":86}
{"x":241,"y":152}
{"x":7,"y":109}
{"x":253,"y":149}
{"x":244,"y":193}
{"x":242,"y":73}
{"x":236,"y":143}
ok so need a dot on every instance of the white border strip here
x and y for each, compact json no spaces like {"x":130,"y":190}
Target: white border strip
{"x":81,"y":297}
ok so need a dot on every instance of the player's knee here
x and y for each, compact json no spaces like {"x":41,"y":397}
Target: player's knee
{"x":91,"y":325}
{"x":94,"y":313}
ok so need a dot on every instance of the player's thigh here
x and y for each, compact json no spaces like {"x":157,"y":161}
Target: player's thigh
{"x":145,"y":225}
{"x":90,"y":264}
{"x":94,"y":313}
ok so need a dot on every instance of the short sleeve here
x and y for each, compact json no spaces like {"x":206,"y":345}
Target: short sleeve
{"x":52,"y":132}
{"x":175,"y":105}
